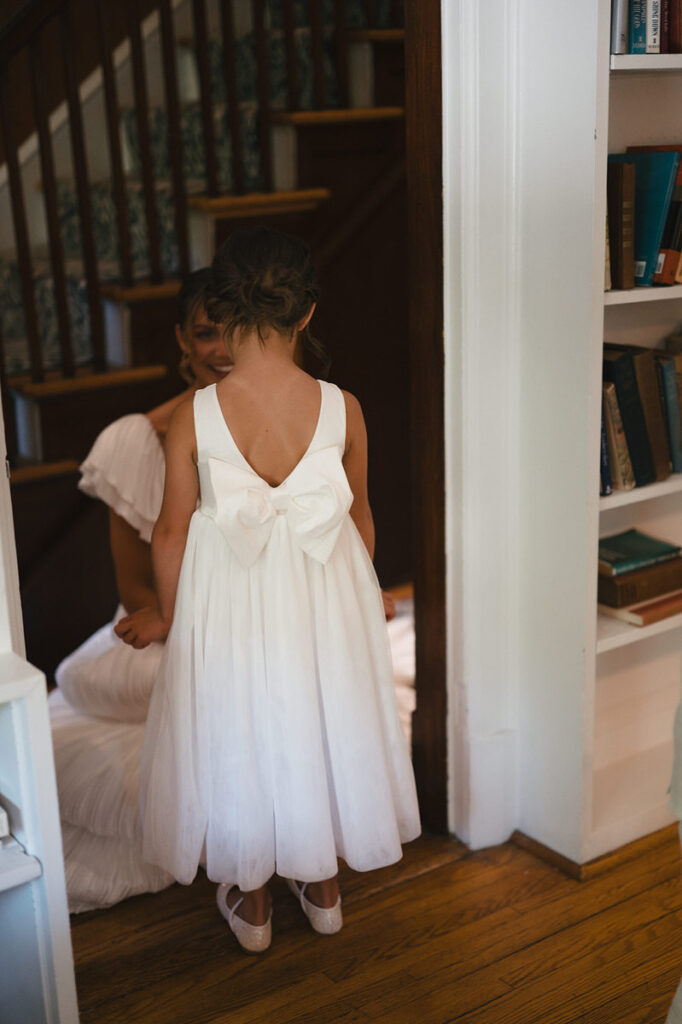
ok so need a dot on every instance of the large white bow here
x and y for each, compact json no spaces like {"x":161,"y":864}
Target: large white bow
{"x":314,"y":499}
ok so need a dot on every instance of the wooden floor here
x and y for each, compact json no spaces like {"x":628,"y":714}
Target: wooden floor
{"x":495,"y":937}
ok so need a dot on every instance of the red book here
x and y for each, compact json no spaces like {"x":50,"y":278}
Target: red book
{"x":675,"y":33}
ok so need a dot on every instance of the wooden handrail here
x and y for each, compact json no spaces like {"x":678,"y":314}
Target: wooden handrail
{"x":22,"y":26}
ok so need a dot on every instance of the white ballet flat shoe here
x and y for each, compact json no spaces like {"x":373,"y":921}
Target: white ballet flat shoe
{"x":324,"y":920}
{"x":253,"y":938}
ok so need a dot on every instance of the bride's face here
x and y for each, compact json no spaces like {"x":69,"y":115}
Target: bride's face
{"x":203,"y":341}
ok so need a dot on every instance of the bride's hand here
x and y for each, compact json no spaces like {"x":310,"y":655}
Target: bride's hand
{"x":142,"y":628}
{"x":389,"y":605}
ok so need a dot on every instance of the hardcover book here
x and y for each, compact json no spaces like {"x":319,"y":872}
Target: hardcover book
{"x":637,"y":26}
{"x":620,"y":201}
{"x":640,"y":585}
{"x":647,"y":612}
{"x":620,"y":465}
{"x":619,"y":368}
{"x":653,"y":26}
{"x":655,"y":175}
{"x":668,"y":379}
{"x":644,"y":361}
{"x":604,"y":468}
{"x":632,"y":549}
{"x":620,"y":39}
{"x":671,"y":243}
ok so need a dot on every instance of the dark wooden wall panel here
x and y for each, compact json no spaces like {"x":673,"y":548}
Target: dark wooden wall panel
{"x":425,"y":235}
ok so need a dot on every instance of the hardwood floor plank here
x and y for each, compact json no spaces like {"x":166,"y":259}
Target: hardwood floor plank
{"x":494,"y":937}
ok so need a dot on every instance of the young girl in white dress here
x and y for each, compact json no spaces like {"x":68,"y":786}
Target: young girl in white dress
{"x":273,"y":743}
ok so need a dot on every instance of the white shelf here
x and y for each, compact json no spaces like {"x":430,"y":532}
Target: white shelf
{"x":16,"y":866}
{"x":653,"y":293}
{"x":673,"y":485}
{"x":613,"y":633}
{"x":646,"y":62}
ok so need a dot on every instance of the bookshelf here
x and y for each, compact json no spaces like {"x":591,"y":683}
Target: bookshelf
{"x":596,"y":696}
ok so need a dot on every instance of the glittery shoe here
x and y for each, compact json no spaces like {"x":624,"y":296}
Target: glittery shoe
{"x":324,"y":920}
{"x":253,"y":938}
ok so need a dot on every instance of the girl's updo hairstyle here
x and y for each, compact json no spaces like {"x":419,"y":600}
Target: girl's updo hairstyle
{"x":264,"y":280}
{"x":191,"y":297}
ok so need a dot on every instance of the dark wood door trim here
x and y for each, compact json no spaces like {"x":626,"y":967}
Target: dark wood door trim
{"x":425,"y":251}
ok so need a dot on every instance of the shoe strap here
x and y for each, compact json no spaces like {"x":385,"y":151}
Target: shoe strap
{"x":233,"y":910}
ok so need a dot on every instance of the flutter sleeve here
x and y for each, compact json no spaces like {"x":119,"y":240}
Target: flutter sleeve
{"x":125,"y":469}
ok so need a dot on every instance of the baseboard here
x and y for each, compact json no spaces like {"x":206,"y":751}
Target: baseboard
{"x":598,"y":866}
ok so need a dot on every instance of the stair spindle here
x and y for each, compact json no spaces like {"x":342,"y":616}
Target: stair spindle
{"x":113,"y":119}
{"x":371,"y":8}
{"x":80,"y":168}
{"x":341,"y":48}
{"x":140,"y":91}
{"x":317,"y":49}
{"x":263,"y":92}
{"x":21,"y":239}
{"x":204,"y":69}
{"x":232,"y":93}
{"x":170,"y":79}
{"x":290,"y":48}
{"x":396,"y":14}
{"x":49,"y":184}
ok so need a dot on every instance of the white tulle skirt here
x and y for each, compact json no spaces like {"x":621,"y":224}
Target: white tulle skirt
{"x":273,"y":739}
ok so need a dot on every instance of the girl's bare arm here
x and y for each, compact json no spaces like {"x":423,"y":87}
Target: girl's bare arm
{"x":132,"y":564}
{"x":355,"y":465}
{"x":179,"y":502}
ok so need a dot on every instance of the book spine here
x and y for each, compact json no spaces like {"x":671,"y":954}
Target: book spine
{"x":620,"y":195}
{"x":675,"y":41}
{"x":607,"y":260}
{"x":619,"y":26}
{"x":642,"y":585}
{"x":653,"y":26}
{"x":665,"y":26}
{"x":671,"y":402}
{"x":622,"y":477}
{"x":671,"y":244}
{"x":604,"y":468}
{"x":622,"y":372}
{"x":653,"y":203}
{"x":635,"y":563}
{"x":637,"y":26}
{"x":650,"y":397}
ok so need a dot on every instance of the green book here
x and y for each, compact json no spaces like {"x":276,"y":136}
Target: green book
{"x":633,"y":550}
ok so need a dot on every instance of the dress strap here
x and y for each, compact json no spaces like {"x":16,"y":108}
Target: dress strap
{"x":206,"y":427}
{"x":332,"y":428}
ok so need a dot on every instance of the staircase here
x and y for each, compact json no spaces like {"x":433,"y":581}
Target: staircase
{"x":209,"y":115}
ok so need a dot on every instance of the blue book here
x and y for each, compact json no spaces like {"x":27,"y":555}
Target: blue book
{"x":604,"y":466}
{"x":637,"y":26}
{"x":655,"y":175}
{"x":631,"y":550}
{"x":671,"y":406}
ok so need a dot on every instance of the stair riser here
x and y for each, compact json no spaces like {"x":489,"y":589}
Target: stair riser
{"x":66,"y":426}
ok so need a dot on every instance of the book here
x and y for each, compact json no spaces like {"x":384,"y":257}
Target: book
{"x":675,"y":37}
{"x":655,"y":175}
{"x":647,"y":612}
{"x":670,"y":392}
{"x":619,"y":368}
{"x":607,"y":260}
{"x":653,"y":26}
{"x":665,"y":26}
{"x":620,"y":41}
{"x":604,"y":468}
{"x":632,"y":549}
{"x":644,"y":361}
{"x":622,"y":477}
{"x":670,"y":253}
{"x":620,"y":202}
{"x":640,"y":585}
{"x":637,"y":26}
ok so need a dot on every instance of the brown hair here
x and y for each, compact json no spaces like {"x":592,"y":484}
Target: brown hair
{"x":264,"y":280}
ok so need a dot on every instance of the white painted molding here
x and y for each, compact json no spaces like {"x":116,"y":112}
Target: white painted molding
{"x":481,"y":240}
{"x":11,"y":620}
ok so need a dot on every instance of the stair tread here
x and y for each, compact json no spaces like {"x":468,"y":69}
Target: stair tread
{"x":376,"y":35}
{"x":31,"y":472}
{"x":253,"y":203}
{"x":336,"y":116}
{"x":55,"y":386}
